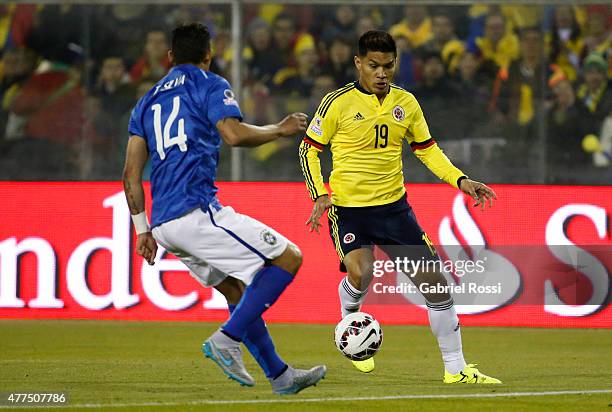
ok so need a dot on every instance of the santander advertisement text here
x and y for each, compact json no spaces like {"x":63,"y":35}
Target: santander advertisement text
{"x":542,"y":254}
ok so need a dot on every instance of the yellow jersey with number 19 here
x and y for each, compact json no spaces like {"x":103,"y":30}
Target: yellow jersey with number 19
{"x":365,"y":138}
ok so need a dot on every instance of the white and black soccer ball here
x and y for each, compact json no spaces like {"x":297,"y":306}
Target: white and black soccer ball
{"x":358,"y":336}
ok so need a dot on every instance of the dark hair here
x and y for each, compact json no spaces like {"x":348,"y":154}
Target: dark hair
{"x":376,"y":40}
{"x":190,"y":43}
{"x":284,"y":16}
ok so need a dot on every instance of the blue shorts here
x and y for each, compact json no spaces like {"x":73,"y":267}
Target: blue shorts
{"x":393,"y":224}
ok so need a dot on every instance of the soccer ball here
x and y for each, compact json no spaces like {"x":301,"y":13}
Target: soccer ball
{"x":358,"y":336}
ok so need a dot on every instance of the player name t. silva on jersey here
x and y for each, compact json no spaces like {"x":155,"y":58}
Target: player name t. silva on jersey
{"x":178,"y":118}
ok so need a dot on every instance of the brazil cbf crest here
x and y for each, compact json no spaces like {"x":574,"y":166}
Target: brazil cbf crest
{"x":230,"y":98}
{"x":398,"y":113}
{"x":268,"y":237}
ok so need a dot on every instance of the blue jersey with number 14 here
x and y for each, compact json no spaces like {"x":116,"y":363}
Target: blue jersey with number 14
{"x":178,"y":118}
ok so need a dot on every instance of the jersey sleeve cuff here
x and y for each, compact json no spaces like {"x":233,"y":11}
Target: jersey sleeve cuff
{"x":459,"y":180}
{"x":217,"y":119}
{"x":422,"y":145}
{"x":312,"y":142}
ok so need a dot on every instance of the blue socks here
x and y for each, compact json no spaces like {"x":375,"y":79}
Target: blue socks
{"x":264,"y":290}
{"x":266,"y":287}
{"x":259,"y":343}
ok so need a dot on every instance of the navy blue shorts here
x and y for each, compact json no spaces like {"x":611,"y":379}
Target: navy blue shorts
{"x":393,"y":224}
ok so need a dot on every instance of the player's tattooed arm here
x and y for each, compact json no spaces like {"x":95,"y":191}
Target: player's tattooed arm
{"x":237,"y":133}
{"x":135,"y":160}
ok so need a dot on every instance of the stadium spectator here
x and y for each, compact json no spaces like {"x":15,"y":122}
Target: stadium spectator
{"x":598,"y":38}
{"x":416,"y":26}
{"x":565,"y":42}
{"x":283,"y":38}
{"x":106,"y":110}
{"x":114,"y":88}
{"x":323,"y":84}
{"x":472,"y":78}
{"x":340,"y":65}
{"x":57,"y":34}
{"x":444,"y":41}
{"x":203,"y":13}
{"x":517,"y":17}
{"x":17,"y":66}
{"x":123,"y":27}
{"x":365,"y":23}
{"x":524,"y":86}
{"x":292,"y":86}
{"x":603,"y":157}
{"x":436,"y":97}
{"x":565,"y":130}
{"x":408,"y":65}
{"x":262,"y":63}
{"x":222,"y":53}
{"x":520,"y":106}
{"x":295,"y":83}
{"x":154,"y":62}
{"x":472,"y":83}
{"x":17,"y":20}
{"x":434,"y":82}
{"x":342,"y":25}
{"x":269,"y":11}
{"x":595,"y":94}
{"x":47,"y":119}
{"x":498,"y":44}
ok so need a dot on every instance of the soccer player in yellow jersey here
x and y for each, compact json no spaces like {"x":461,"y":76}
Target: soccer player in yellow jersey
{"x":365,"y":123}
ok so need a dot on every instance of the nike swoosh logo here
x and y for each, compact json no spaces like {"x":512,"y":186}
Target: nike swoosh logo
{"x":372,"y":332}
{"x":226,"y":362}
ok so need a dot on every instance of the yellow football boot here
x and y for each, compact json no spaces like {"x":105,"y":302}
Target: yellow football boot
{"x":365,"y":366}
{"x":469,"y":374}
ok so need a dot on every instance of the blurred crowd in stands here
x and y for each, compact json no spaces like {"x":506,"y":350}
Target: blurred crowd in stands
{"x":513,"y":93}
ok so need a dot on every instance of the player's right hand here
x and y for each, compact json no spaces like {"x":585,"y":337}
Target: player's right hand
{"x":321,"y":205}
{"x":146,"y":247}
{"x":293,"y":124}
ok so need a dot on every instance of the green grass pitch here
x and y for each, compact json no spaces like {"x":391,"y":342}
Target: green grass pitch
{"x":136,"y":365}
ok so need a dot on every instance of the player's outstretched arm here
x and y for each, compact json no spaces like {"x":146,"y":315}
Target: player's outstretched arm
{"x":135,"y":160}
{"x":434,"y":158}
{"x":237,"y":133}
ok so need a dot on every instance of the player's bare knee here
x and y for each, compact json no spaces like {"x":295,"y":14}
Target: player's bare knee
{"x":232,"y":289}
{"x":360,"y":276}
{"x":290,"y":260}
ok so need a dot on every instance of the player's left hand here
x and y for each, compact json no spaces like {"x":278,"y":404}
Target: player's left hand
{"x":146,"y":247}
{"x":480,"y":192}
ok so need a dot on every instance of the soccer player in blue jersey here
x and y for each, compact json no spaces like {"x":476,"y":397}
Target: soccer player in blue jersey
{"x":179,"y":125}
